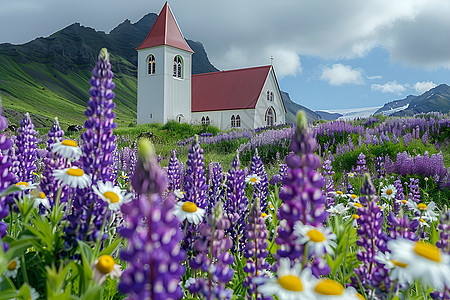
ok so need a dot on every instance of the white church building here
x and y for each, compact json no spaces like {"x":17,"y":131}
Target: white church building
{"x":167,"y":90}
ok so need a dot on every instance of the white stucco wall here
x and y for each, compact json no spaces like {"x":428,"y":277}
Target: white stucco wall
{"x":222,"y":119}
{"x":160,"y":96}
{"x":263,"y":104}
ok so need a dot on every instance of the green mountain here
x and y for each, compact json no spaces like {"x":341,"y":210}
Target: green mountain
{"x":436,"y":99}
{"x":49,"y":77}
{"x":292,"y":108}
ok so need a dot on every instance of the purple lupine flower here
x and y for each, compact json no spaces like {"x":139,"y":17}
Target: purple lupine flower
{"x":444,"y":235}
{"x":329,"y":183}
{"x":216,"y":190}
{"x":400,"y":195}
{"x":26,"y":149}
{"x":303,"y":199}
{"x":6,"y":177}
{"x":255,"y":248}
{"x":54,"y":133}
{"x":414,"y":191}
{"x":401,"y":227}
{"x":379,"y":167}
{"x":153,"y":251}
{"x":261,"y":189}
{"x":99,"y":138}
{"x":213,"y":257}
{"x":236,"y":205}
{"x":361,"y":164}
{"x":195,"y":182}
{"x":372,"y":239}
{"x":173,"y":172}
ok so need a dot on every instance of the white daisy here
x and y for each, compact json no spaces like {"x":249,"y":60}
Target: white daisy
{"x":12,"y":268}
{"x":317,"y":239}
{"x":252,"y":179}
{"x":179,"y":193}
{"x":425,"y":261}
{"x":355,"y":218}
{"x":389,"y":192}
{"x":354,"y":204}
{"x":398,"y":269}
{"x":188,"y":210}
{"x":328,"y":289}
{"x":34,"y":295}
{"x":40,"y":198}
{"x":25,"y":186}
{"x":402,"y":202}
{"x":67,"y":149}
{"x":73,"y":177}
{"x":114,"y":195}
{"x":338,"y":209}
{"x":290,"y":283}
{"x":426,"y":211}
{"x":422,"y":222}
{"x":105,"y":266}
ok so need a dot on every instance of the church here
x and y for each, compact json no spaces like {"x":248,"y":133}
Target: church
{"x":244,"y":98}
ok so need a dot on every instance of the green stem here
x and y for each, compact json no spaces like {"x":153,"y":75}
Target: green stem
{"x":24,"y":269}
{"x":102,"y":230}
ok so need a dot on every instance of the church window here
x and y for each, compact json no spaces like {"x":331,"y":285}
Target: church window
{"x":233,"y":121}
{"x":151,"y":65}
{"x":271,"y":96}
{"x":180,"y":117}
{"x":270,"y":116}
{"x":207,"y":121}
{"x":177,"y":67}
{"x":268,"y":96}
{"x":238,"y":121}
{"x":203,"y":121}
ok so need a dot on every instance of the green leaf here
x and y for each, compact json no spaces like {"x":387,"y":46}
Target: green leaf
{"x":10,"y":190}
{"x":94,"y":292}
{"x":111,"y":248}
{"x":87,"y":259}
{"x":434,"y":234}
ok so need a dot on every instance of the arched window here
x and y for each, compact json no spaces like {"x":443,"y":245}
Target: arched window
{"x":151,"y":65}
{"x":271,"y":96}
{"x":268,"y":96}
{"x":180,"y":118}
{"x":207,"y":121}
{"x":177,"y":67}
{"x":203,"y":121}
{"x":270,"y":116}
{"x":238,"y":121}
{"x":233,"y":121}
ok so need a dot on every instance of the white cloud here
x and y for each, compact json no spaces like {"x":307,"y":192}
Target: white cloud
{"x":390,"y":87}
{"x":422,"y":87}
{"x":340,"y":74}
{"x":374,"y":77}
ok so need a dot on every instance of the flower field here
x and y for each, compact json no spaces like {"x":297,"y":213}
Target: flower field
{"x":333,"y":210}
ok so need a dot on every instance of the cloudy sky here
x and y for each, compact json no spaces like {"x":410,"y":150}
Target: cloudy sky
{"x":328,"y":54}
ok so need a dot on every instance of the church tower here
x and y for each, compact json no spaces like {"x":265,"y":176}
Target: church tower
{"x":164,"y":73}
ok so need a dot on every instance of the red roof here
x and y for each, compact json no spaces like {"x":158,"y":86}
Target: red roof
{"x":165,"y":31}
{"x":226,"y":90}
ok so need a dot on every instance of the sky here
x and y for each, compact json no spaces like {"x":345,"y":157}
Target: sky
{"x":327,"y":54}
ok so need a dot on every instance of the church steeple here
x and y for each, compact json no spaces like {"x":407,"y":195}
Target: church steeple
{"x":165,"y":31}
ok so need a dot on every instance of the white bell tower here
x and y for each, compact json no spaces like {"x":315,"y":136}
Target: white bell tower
{"x":164,"y":73}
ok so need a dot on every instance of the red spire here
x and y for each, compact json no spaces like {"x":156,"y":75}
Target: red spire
{"x":165,"y":31}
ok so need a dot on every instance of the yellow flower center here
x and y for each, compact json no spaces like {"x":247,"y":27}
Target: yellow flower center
{"x":105,"y":264}
{"x":253,"y":179}
{"x":291,"y":283}
{"x":358,"y":205}
{"x":111,"y":196}
{"x":329,"y":287}
{"x":354,"y":196}
{"x":42,"y":195}
{"x":404,"y":201}
{"x":399,"y":264}
{"x":379,"y":206}
{"x":25,"y":184}
{"x":12,"y":265}
{"x":189,"y":207}
{"x":422,"y":206}
{"x":271,"y":207}
{"x":339,"y":193}
{"x":360,"y":296}
{"x":75,"y":172}
{"x":69,"y":143}
{"x":263,"y":215}
{"x":389,"y":192}
{"x":422,"y":220}
{"x":316,"y":236}
{"x":427,"y":251}
{"x":355,"y":217}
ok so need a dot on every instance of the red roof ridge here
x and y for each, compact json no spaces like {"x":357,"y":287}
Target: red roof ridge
{"x":233,"y":70}
{"x":165,"y":31}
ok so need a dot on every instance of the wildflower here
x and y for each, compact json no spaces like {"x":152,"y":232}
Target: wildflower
{"x":422,"y":222}
{"x":105,"y":266}
{"x":317,"y":238}
{"x":34,"y":295}
{"x":332,"y":290}
{"x":351,"y":175}
{"x":67,"y":149}
{"x":389,"y":192}
{"x":290,"y":283}
{"x":179,"y":193}
{"x":12,"y":268}
{"x":24,"y":186}
{"x":425,"y":261}
{"x":337,"y":209}
{"x":398,"y":268}
{"x":40,"y":198}
{"x":355,"y":218}
{"x":73,"y":177}
{"x":426,"y":211}
{"x":113,"y":195}
{"x":252,"y":179}
{"x":190,"y":211}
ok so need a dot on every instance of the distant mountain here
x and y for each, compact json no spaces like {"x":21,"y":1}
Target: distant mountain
{"x":328,"y":116}
{"x":292,"y":108}
{"x":57,"y":69}
{"x":394,"y":106}
{"x":436,"y":99}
